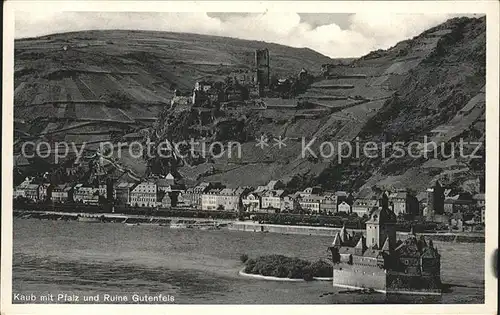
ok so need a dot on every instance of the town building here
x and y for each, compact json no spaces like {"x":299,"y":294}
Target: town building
{"x":382,"y":263}
{"x":170,"y":179}
{"x":422,"y":201}
{"x":311,"y":202}
{"x":45,"y":192}
{"x":291,"y":204}
{"x":404,"y":203}
{"x":189,"y":199}
{"x":62,"y":193}
{"x":272,"y":199}
{"x":329,"y":203}
{"x":123,"y":192}
{"x":20,"y":190}
{"x":364,"y":206}
{"x":86,"y":194}
{"x":31,"y":192}
{"x":251,"y":202}
{"x":168,"y":199}
{"x":452,"y":205}
{"x":344,"y":196}
{"x":311,"y":191}
{"x":192,"y":196}
{"x":344,"y":207}
{"x":479,"y":199}
{"x":209,"y":199}
{"x":144,"y":194}
{"x":228,"y":199}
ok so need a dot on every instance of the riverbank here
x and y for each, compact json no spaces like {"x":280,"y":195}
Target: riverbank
{"x":246,"y":226}
{"x":271,"y":278}
{"x":329,"y":231}
{"x":129,"y":220}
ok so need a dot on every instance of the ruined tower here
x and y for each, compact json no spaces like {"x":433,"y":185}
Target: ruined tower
{"x":262,"y":76}
{"x":435,"y":199}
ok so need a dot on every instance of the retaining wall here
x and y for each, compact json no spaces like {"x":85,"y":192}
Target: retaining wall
{"x":348,"y":278}
{"x":329,"y":231}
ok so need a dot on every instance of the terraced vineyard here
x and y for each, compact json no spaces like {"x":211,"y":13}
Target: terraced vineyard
{"x":360,"y":97}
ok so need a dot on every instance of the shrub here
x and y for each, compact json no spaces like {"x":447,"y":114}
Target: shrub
{"x":244,"y":258}
{"x":321,"y":268}
{"x":285,"y":267}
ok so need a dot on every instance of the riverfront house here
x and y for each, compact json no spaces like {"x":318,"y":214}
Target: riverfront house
{"x":145,"y":195}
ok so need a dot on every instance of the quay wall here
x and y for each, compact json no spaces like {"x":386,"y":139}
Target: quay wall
{"x":330,"y":231}
{"x":352,"y":279}
{"x":284,"y":229}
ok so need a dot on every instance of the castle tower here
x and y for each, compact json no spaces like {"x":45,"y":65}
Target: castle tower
{"x":262,"y":76}
{"x":379,"y":227}
{"x":435,"y":199}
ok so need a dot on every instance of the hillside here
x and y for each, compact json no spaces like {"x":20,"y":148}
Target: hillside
{"x":431,"y":85}
{"x":67,"y":82}
{"x":417,"y":88}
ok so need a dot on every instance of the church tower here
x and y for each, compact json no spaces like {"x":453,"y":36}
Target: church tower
{"x":381,"y":227}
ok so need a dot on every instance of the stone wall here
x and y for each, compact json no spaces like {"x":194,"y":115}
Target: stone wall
{"x":371,"y":279}
{"x":401,"y":282}
{"x":328,"y":231}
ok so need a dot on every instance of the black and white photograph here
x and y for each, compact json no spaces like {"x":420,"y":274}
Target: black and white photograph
{"x":250,"y":157}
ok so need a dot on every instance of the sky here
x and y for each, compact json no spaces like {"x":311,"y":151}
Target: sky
{"x":332,"y":34}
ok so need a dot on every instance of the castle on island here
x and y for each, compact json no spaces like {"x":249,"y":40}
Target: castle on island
{"x":382,"y":263}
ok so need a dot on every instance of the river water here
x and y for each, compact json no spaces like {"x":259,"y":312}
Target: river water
{"x":197,"y":266}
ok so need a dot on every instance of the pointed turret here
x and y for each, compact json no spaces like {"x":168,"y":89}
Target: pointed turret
{"x":360,"y":246}
{"x":386,"y":246}
{"x":336,"y":241}
{"x":343,"y":234}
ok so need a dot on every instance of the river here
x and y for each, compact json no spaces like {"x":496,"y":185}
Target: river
{"x":197,"y":266}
